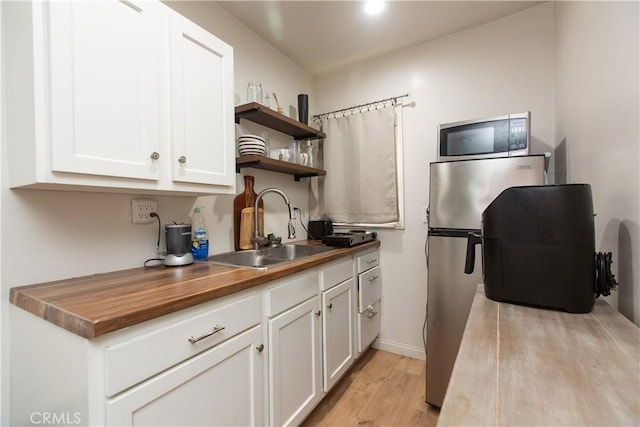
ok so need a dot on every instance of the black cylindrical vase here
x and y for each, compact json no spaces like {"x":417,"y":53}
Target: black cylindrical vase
{"x":303,"y":108}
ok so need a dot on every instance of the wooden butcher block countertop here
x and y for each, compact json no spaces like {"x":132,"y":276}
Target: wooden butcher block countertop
{"x":92,"y":306}
{"x":523,"y":366}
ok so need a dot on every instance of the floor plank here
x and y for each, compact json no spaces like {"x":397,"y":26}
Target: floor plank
{"x":381,"y":389}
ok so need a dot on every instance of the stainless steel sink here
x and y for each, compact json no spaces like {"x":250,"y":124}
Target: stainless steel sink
{"x":266,"y":257}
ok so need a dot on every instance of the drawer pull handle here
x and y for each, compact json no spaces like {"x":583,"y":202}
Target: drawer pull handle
{"x":371,"y":312}
{"x":260,"y":347}
{"x":330,"y":306}
{"x":371,"y":261}
{"x":215,"y":330}
{"x":318,"y":313}
{"x":373,"y":279}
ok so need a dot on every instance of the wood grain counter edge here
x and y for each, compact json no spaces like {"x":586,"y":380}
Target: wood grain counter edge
{"x":527,"y":366}
{"x":92,"y":306}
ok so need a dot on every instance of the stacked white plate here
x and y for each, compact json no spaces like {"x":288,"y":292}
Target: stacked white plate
{"x":251,"y":144}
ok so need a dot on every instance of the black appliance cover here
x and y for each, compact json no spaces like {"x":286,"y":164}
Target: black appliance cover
{"x":538,"y":247}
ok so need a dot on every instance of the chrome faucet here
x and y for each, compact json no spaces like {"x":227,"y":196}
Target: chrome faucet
{"x":258,"y":240}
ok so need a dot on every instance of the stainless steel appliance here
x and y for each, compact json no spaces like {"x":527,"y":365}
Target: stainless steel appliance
{"x":459,"y":193}
{"x":502,"y":136}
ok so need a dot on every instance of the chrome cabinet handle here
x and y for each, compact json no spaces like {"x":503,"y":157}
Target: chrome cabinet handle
{"x":182,"y":159}
{"x":371,"y":261}
{"x":155,"y":155}
{"x":215,"y":330}
{"x":371,"y":312}
{"x":373,"y":279}
{"x":260,"y":347}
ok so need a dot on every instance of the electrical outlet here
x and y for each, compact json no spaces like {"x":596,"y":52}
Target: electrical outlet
{"x":425,"y":214}
{"x":141,"y":210}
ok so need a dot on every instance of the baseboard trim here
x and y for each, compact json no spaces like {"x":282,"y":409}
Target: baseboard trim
{"x":398,"y":348}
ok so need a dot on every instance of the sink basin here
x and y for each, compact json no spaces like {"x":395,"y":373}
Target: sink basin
{"x":266,"y":257}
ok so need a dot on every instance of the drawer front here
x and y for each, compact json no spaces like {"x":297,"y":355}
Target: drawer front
{"x":368,"y":260}
{"x":283,"y":296}
{"x":135,"y":360}
{"x":368,"y":326}
{"x":335,"y":274}
{"x":369,"y":289}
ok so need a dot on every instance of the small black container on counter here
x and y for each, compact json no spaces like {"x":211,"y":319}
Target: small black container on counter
{"x":320,"y":228}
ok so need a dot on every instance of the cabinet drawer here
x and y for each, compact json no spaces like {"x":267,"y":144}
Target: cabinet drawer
{"x":370,"y":285}
{"x":291,"y":293}
{"x":367,"y":261}
{"x":368,"y":326}
{"x":131,"y":362}
{"x":335,"y":274}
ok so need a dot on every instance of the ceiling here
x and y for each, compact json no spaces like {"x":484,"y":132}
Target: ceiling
{"x":324,"y":35}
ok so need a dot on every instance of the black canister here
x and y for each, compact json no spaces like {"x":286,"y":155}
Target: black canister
{"x":303,"y":108}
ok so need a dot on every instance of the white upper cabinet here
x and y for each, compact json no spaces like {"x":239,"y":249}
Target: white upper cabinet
{"x":201,"y":90}
{"x":105,"y":88}
{"x":117,"y":96}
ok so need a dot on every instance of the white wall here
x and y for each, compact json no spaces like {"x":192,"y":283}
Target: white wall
{"x":501,"y":67}
{"x":597,"y":117}
{"x":56,"y":234}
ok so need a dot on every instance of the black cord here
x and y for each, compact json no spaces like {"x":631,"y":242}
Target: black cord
{"x":305,"y":228}
{"x":155,"y":215}
{"x":605,"y":280}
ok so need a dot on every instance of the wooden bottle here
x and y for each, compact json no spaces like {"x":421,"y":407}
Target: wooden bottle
{"x":243,"y":215}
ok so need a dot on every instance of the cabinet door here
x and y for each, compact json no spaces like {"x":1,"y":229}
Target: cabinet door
{"x":202,"y":114}
{"x":337,"y":331}
{"x":294,"y":363}
{"x":222,"y":386}
{"x":104,"y":87}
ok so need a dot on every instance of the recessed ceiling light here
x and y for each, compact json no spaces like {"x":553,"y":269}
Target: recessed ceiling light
{"x":373,"y":7}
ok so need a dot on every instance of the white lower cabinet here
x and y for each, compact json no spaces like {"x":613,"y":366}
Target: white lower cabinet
{"x":369,"y":296}
{"x":337,"y":332}
{"x":220,"y":387}
{"x":148,"y":374}
{"x":266,"y":355}
{"x":295,"y":350}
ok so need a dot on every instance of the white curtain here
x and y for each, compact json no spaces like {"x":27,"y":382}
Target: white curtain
{"x":360,"y":159}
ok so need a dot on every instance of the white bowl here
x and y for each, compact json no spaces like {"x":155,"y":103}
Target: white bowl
{"x":251,"y":137}
{"x":247,"y":151}
{"x":252,"y":146}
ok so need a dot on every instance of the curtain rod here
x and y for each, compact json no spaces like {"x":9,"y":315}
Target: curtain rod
{"x":393,"y":98}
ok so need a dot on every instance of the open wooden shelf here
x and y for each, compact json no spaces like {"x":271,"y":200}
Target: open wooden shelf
{"x":265,"y":116}
{"x":266,"y":163}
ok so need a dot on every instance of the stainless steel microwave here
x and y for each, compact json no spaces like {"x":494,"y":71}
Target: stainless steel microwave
{"x":502,"y":136}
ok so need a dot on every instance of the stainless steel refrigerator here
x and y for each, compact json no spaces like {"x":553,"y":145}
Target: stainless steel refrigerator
{"x":459,"y":191}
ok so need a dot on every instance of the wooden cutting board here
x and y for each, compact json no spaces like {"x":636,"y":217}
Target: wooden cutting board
{"x":247,"y":224}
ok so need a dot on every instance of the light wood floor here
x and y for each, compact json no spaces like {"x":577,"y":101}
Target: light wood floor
{"x":381,"y":389}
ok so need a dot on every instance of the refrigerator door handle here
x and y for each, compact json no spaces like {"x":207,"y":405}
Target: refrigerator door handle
{"x":473,"y":239}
